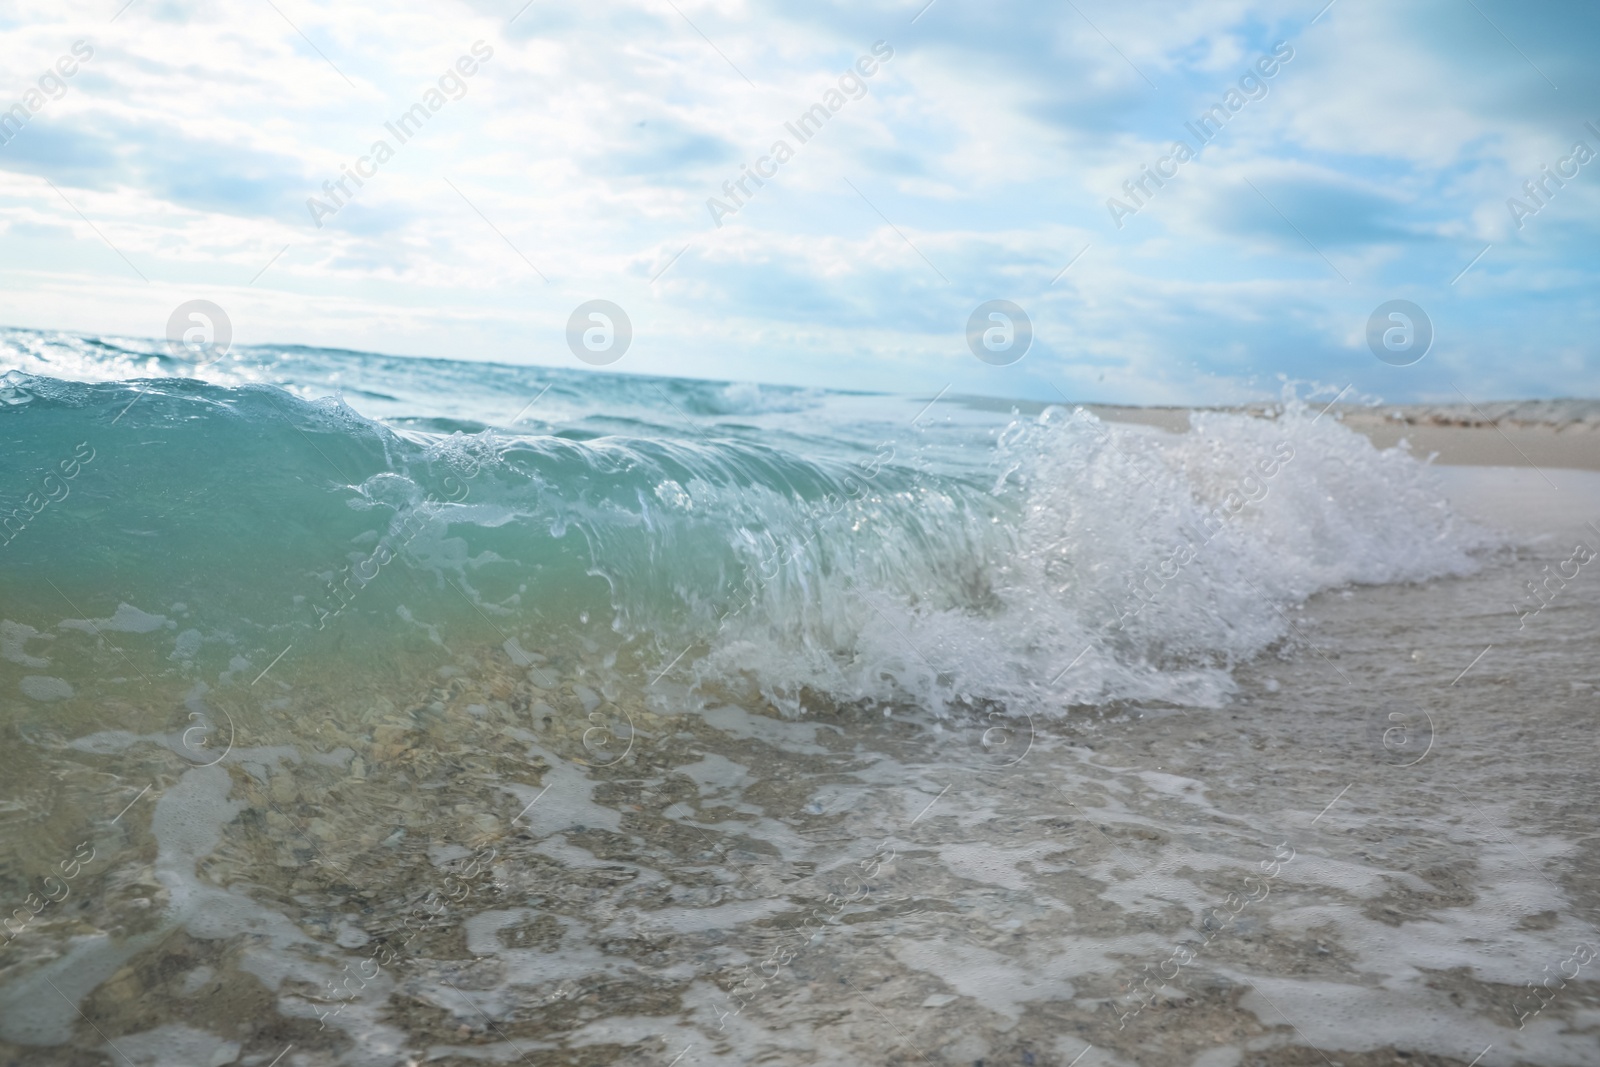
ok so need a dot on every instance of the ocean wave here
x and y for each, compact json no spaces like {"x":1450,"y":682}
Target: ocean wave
{"x":1108,"y":563}
{"x":1082,"y":563}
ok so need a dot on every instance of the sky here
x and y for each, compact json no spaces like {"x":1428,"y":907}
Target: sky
{"x":1358,"y":153}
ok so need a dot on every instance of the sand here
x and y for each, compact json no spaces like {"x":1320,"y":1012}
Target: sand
{"x":1456,"y":437}
{"x":1572,"y":447}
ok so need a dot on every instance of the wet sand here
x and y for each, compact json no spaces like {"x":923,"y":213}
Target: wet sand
{"x":1574,"y":447}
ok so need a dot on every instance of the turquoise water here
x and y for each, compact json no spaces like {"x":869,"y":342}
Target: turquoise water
{"x":335,"y":507}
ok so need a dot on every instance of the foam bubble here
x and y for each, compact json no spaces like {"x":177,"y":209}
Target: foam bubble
{"x":1129,"y":564}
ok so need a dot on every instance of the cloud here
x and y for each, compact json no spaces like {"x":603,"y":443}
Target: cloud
{"x":1383,"y":154}
{"x":1328,"y":211}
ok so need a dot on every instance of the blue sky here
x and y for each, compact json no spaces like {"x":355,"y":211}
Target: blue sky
{"x":576,"y":162}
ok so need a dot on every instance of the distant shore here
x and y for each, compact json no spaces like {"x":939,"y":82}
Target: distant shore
{"x":1562,"y":433}
{"x":1503,"y":443}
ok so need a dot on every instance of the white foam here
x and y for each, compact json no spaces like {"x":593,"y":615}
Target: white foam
{"x":1127,"y":564}
{"x":126,"y":619}
{"x":44,"y":688}
{"x":563,"y":801}
{"x":173,"y":1044}
{"x":14,"y":638}
{"x":993,"y":980}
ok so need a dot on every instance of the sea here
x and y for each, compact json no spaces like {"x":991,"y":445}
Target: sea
{"x":374,"y":710}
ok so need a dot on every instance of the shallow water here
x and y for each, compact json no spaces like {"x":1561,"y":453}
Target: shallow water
{"x":559,"y":781}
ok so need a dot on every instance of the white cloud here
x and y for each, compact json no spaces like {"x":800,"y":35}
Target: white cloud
{"x":592,"y":138}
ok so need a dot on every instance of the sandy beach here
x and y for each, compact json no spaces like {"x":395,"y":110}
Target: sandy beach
{"x":1521,"y":435}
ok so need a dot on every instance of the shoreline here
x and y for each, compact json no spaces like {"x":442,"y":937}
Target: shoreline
{"x":1508,"y":442}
